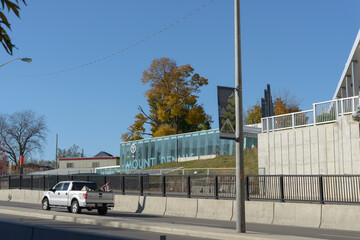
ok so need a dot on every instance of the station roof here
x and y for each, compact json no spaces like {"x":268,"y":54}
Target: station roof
{"x":354,"y":56}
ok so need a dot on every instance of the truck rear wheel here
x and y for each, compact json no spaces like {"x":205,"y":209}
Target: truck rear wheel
{"x":75,"y":208}
{"x":102,"y":211}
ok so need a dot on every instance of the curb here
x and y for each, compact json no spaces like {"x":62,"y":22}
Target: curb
{"x":165,"y":228}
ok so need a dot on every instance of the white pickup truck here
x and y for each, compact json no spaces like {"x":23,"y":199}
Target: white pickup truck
{"x":77,"y":195}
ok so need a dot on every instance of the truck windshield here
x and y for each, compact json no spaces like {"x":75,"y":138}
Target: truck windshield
{"x":79,"y":185}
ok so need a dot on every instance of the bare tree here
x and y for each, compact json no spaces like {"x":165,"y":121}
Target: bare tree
{"x":22,"y":133}
{"x":72,"y":152}
{"x":292,"y":102}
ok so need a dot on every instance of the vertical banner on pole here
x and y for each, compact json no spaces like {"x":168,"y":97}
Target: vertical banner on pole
{"x":226,"y":107}
{"x":21,"y":162}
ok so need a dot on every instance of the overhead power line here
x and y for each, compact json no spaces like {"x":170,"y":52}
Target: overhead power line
{"x":119,"y":51}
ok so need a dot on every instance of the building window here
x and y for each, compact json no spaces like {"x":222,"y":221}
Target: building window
{"x":95,"y":164}
{"x":69,"y":165}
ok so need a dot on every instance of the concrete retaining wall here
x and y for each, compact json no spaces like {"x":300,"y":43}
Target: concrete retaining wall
{"x":331,"y":148}
{"x":293,"y":214}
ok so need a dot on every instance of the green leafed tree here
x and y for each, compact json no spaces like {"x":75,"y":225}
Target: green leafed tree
{"x":172,"y":100}
{"x":7,"y":7}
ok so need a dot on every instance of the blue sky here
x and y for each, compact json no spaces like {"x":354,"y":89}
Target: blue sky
{"x":301,"y":46}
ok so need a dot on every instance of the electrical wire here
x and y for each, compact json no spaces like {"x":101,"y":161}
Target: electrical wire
{"x":120,"y":51}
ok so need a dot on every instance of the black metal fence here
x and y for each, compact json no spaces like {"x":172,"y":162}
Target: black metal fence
{"x":311,"y":188}
{"x":166,"y":185}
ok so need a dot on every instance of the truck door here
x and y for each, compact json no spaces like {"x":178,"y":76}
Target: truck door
{"x":55,"y":194}
{"x":63,"y":194}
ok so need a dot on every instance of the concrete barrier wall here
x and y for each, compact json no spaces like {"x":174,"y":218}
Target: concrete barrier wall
{"x":256,"y":212}
{"x":181,"y":207}
{"x":5,"y":195}
{"x":18,"y":195}
{"x":329,"y":216}
{"x":215,"y":209}
{"x":32,"y":196}
{"x":297,"y":214}
{"x":346,"y":217}
{"x":152,"y":205}
{"x":126,"y":203}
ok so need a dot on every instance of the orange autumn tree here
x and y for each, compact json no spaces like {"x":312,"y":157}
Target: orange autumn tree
{"x":253,"y":114}
{"x":284,"y":102}
{"x":172,"y":99}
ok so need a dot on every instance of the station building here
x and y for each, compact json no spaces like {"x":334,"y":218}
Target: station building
{"x":146,"y":153}
{"x":322,"y":140}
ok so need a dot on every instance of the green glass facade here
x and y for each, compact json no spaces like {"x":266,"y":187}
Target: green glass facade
{"x":145,"y":153}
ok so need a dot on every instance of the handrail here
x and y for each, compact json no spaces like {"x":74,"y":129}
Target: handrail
{"x":271,"y":124}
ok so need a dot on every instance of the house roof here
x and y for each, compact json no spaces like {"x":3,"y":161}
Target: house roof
{"x":88,"y":158}
{"x":100,"y":156}
{"x":103,"y":154}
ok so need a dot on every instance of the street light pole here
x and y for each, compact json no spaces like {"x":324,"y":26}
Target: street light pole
{"x":239,"y":135}
{"x":27,"y":60}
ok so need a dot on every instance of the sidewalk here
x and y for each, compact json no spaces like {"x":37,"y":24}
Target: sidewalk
{"x":142,"y":225}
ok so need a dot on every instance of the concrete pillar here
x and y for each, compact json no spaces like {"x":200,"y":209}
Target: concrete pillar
{"x":348,"y":86}
{"x":342,"y":92}
{"x":355,"y":78}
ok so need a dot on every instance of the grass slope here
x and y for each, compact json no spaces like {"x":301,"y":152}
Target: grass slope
{"x":250,"y":162}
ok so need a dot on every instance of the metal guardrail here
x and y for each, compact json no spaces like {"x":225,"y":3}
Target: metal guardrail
{"x":304,"y":188}
{"x":323,"y":112}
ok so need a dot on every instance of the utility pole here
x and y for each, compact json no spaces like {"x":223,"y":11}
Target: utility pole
{"x":56,"y":153}
{"x":239,"y":134}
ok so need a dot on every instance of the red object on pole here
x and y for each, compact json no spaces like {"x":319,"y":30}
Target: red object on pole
{"x":21,"y":160}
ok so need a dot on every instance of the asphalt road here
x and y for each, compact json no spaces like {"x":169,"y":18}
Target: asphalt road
{"x":260,"y":228}
{"x":125,"y":233}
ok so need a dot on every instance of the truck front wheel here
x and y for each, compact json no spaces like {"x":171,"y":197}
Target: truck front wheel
{"x":102,"y":211}
{"x":45,"y":204}
{"x":75,"y":208}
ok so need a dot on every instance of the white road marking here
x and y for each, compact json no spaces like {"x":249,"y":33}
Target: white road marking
{"x":332,"y":235}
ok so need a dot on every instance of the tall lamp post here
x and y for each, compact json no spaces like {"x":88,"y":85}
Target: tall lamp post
{"x":27,"y":60}
{"x":239,"y":135}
